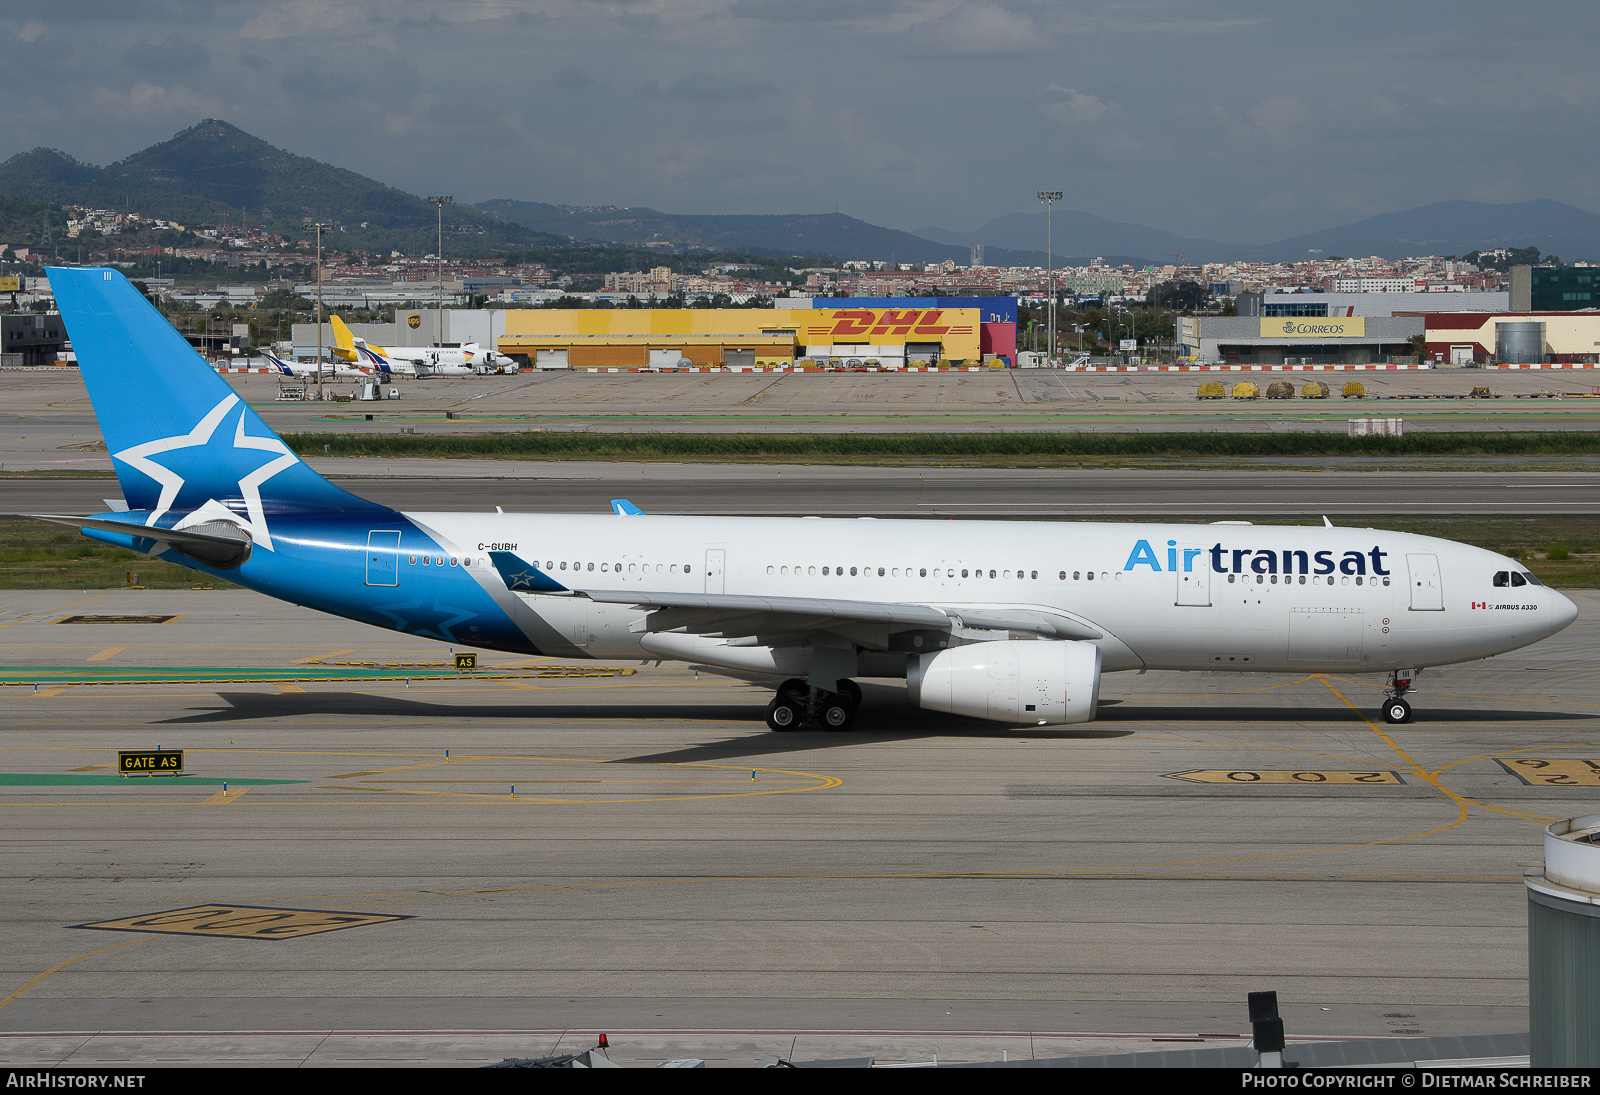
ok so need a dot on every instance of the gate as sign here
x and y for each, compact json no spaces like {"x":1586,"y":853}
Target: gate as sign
{"x":1427,"y":590}
{"x":383,"y":558}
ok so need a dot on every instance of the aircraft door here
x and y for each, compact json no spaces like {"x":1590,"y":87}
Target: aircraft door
{"x":715,"y":565}
{"x":1427,"y":589}
{"x":1193,"y":575}
{"x":383,"y":558}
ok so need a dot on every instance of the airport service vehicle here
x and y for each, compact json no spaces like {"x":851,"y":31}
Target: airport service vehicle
{"x":415,"y":361}
{"x":329,"y":368}
{"x":1013,"y":622}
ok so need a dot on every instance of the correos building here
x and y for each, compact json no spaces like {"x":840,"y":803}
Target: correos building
{"x":1298,"y":340}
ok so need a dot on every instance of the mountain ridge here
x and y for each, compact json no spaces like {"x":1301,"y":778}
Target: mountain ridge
{"x":1438,"y":228}
{"x":214,"y":172}
{"x":834,"y":236}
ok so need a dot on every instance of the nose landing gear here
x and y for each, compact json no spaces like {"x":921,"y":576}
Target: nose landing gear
{"x":1396,"y":710}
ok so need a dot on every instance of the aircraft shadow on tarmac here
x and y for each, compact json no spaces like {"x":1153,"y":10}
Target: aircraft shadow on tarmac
{"x":1331,"y":714}
{"x":885,"y":717}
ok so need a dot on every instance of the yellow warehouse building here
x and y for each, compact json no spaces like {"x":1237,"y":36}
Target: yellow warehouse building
{"x":637,"y":338}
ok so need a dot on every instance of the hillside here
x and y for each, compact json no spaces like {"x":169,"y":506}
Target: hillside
{"x":816,"y":234}
{"x":214,"y":171}
{"x":1455,"y":228}
{"x":1443,"y":228}
{"x":1078,"y":233}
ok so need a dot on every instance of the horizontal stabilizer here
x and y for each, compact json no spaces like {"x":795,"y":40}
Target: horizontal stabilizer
{"x":129,"y":528}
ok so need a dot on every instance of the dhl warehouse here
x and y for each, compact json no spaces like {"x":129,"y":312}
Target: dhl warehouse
{"x":886,"y":333}
{"x":889,"y":332}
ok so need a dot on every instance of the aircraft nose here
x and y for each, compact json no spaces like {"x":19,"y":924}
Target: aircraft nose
{"x":1562,"y":610}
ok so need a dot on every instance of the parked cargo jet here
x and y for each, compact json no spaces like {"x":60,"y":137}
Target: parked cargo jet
{"x":1011,"y":622}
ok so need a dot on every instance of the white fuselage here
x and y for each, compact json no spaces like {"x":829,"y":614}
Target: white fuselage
{"x":1186,"y":597}
{"x":329,"y":368}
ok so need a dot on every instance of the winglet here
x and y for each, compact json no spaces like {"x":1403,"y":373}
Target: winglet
{"x":624,"y":508}
{"x":1326,"y":523}
{"x":521,"y":576}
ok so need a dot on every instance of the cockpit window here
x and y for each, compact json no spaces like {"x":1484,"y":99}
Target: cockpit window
{"x":1502,"y":578}
{"x":1517,"y":579}
{"x":1532,"y":581}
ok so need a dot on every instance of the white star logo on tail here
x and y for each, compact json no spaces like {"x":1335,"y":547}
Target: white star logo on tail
{"x":255,"y":521}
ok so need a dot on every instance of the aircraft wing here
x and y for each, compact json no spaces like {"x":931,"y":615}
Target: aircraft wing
{"x":738,"y":615}
{"x":731,"y":614}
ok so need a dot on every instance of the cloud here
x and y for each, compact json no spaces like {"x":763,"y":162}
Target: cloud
{"x":1075,"y":108}
{"x":1280,"y":115}
{"x":146,"y":105}
{"x":979,"y":30}
{"x":32,"y":31}
{"x":706,"y":88}
{"x":176,"y":54}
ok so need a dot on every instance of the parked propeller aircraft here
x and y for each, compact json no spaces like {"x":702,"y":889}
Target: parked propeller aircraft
{"x":329,"y":368}
{"x":1012,"y":622}
{"x":416,"y":361}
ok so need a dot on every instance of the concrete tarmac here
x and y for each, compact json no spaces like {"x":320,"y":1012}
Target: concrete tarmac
{"x":52,"y":408}
{"x":799,"y":490}
{"x":669,"y":872}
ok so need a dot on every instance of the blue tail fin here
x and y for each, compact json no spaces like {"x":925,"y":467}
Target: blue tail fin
{"x":277,"y":362}
{"x":182,"y":440}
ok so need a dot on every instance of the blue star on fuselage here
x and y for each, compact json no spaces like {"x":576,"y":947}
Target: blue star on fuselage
{"x":424,"y":616}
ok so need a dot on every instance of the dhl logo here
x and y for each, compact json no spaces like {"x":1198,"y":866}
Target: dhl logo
{"x":916,"y":321}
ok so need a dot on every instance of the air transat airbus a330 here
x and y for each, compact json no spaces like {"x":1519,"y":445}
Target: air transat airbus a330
{"x":1012,"y":622}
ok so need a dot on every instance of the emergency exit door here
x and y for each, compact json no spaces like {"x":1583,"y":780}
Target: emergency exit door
{"x":1427,"y":590}
{"x":714,"y":569}
{"x":1193,"y":575}
{"x":383,"y":558}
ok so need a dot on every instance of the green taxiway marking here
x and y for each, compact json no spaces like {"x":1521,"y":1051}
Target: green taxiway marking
{"x":35,"y":779}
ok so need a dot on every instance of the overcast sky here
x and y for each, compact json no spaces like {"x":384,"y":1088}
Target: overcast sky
{"x":1238,"y":121}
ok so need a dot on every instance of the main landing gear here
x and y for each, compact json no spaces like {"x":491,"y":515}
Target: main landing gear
{"x":797,"y":702}
{"x":1396,"y":710}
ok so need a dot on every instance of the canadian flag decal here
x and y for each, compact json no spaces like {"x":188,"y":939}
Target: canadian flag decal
{"x":1480,"y":604}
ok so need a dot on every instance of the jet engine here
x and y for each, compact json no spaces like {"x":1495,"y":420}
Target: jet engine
{"x":1041,"y":682}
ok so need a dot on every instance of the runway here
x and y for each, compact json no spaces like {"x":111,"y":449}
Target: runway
{"x":635,"y":853}
{"x":566,"y":487}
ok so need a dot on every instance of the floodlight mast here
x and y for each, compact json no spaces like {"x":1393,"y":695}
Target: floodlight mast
{"x":319,"y":226}
{"x":439,"y":201}
{"x":1050,"y":197}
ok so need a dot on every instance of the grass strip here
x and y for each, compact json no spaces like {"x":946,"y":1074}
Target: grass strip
{"x":563,"y":445}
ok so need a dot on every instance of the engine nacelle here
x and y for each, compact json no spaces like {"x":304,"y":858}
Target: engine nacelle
{"x":1040,"y":682}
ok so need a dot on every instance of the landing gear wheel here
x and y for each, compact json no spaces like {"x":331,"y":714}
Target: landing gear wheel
{"x":837,"y":713}
{"x":850,"y":691}
{"x":1397,"y":711}
{"x":784,"y":715}
{"x":794,"y":689}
